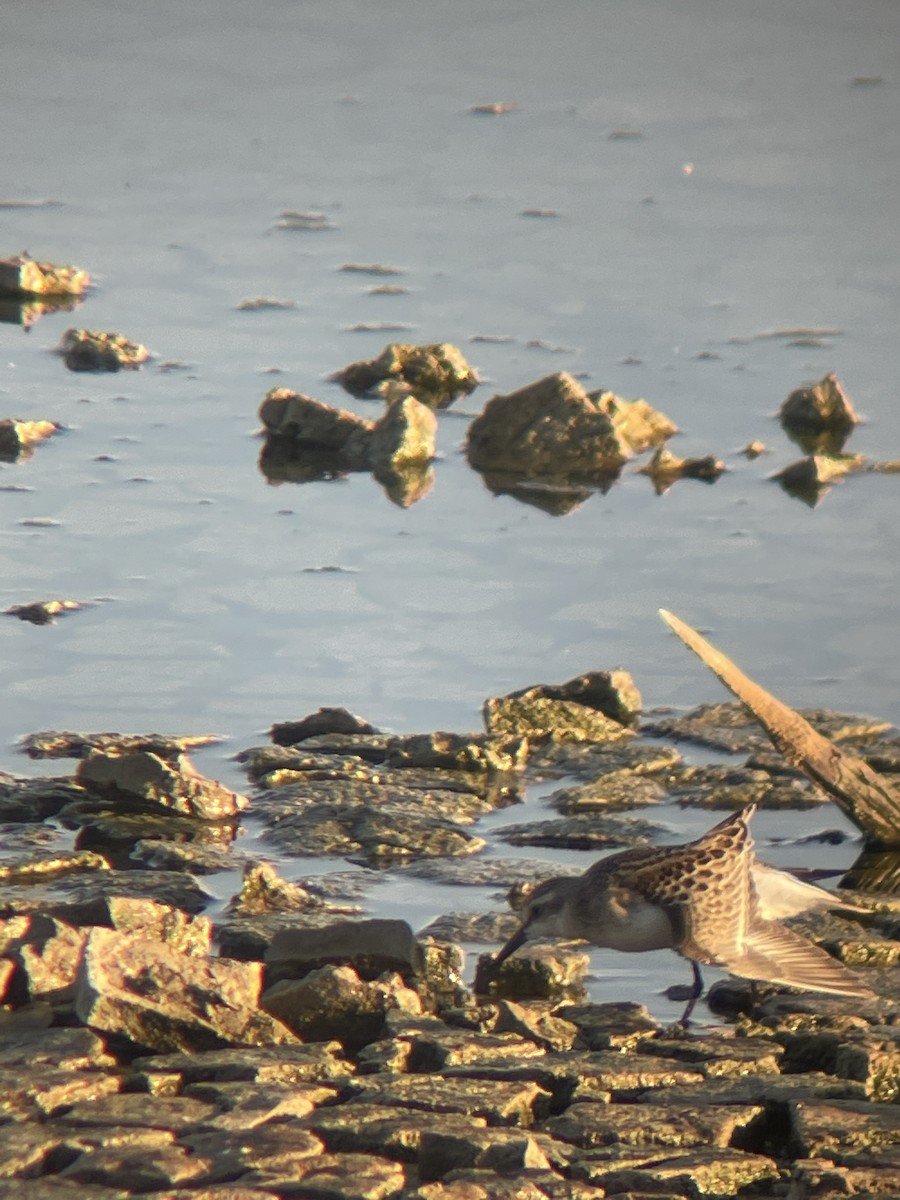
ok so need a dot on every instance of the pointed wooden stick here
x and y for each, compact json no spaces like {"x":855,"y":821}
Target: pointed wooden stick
{"x":871,"y":801}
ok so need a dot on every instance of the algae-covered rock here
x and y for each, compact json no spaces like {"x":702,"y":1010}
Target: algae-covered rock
{"x":97,"y":350}
{"x":594,"y":707}
{"x":458,"y":751}
{"x":540,"y":718}
{"x":23,"y":276}
{"x":435,"y":373}
{"x":549,"y":429}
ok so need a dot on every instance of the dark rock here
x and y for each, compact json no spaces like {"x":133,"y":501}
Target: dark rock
{"x":32,"y":800}
{"x":87,"y":900}
{"x":175,"y":1113}
{"x":279,"y":1150}
{"x":333,"y":1002}
{"x":550,"y":428}
{"x":612,"y":693}
{"x":73,"y":1049}
{"x":505,"y":1151}
{"x":535,"y":717}
{"x":613,"y":792}
{"x":370,"y":946}
{"x":133,"y":1168}
{"x":199,"y":858}
{"x":314,"y":423}
{"x":610,"y":1026}
{"x":99,"y":350}
{"x":324,"y":720}
{"x":536,"y":972}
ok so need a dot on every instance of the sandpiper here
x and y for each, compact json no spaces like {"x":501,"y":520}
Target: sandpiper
{"x":711,"y":900}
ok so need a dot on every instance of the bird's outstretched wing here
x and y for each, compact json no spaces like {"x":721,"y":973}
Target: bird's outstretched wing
{"x":778,"y":955}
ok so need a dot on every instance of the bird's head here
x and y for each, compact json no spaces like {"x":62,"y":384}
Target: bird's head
{"x":540,"y":911}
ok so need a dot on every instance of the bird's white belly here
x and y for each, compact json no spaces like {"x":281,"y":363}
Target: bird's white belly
{"x":634,"y":927}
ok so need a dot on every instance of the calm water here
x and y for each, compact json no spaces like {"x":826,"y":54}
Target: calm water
{"x":760,"y":194}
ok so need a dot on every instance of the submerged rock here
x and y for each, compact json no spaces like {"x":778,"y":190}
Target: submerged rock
{"x":43,"y":612}
{"x":666,"y":468}
{"x":57,"y":744}
{"x":96,"y":350}
{"x":807,"y":478}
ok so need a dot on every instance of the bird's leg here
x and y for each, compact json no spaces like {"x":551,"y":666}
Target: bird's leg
{"x":696,"y":993}
{"x":754,"y":997}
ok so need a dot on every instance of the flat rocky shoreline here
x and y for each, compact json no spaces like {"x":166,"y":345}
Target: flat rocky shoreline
{"x":296,"y":1046}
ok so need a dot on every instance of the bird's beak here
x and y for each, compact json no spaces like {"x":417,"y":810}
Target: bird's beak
{"x":517,"y":940}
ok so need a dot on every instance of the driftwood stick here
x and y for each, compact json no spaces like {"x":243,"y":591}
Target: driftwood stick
{"x":871,"y":801}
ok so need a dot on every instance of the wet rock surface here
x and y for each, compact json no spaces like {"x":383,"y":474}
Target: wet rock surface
{"x":294,"y":1045}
